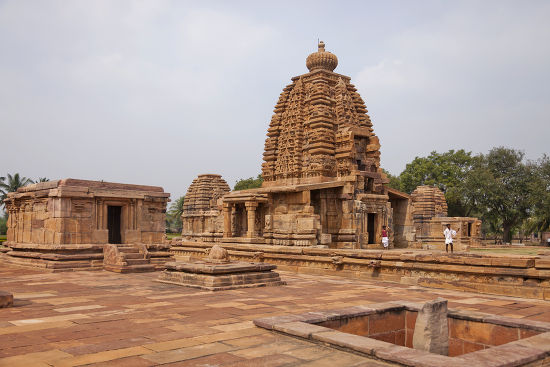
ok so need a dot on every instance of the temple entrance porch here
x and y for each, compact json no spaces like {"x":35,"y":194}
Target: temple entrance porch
{"x":244,"y":217}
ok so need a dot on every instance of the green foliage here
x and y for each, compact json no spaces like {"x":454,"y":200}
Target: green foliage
{"x":11,"y":183}
{"x":41,"y":179}
{"x":507,"y":193}
{"x":444,"y":170}
{"x":501,"y":185}
{"x":3,"y":224}
{"x":395,"y":181}
{"x":249,"y":183}
{"x":541,"y":188}
{"x":447,"y":171}
{"x":173,"y":216}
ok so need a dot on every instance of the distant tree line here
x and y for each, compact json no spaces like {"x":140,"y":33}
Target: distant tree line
{"x":249,"y":183}
{"x":509,"y":193}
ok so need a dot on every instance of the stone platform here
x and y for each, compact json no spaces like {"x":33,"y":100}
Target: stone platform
{"x":216,"y":277}
{"x":102,"y":318}
{"x":55,"y":257}
{"x":512,"y":275}
{"x":6,"y":299}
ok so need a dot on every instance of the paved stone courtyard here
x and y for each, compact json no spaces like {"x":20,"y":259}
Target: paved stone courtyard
{"x":108,"y":319}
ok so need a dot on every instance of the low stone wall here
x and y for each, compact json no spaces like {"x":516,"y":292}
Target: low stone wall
{"x":519,"y":276}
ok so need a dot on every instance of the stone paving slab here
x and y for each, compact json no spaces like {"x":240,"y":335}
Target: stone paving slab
{"x":108,"y":319}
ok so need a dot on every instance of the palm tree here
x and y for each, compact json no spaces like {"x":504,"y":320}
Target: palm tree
{"x":173,"y":217}
{"x":41,"y":179}
{"x":12,"y":184}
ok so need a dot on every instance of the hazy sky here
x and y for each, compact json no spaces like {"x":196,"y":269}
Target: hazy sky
{"x":157,"y":92}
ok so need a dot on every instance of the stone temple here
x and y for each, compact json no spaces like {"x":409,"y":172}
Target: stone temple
{"x":429,"y":211}
{"x":69,"y":224}
{"x":323,"y":184}
{"x":202,"y":207}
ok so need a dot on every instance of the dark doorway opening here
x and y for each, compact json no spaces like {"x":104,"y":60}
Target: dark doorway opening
{"x":113,"y":223}
{"x":469,"y":229}
{"x":370,"y":227}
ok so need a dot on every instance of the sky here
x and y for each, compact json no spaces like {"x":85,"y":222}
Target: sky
{"x":158,"y":92}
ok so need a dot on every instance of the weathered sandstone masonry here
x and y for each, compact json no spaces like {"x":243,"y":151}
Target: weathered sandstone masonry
{"x":202,"y":208}
{"x":323,"y":185}
{"x":65,"y":224}
{"x":521,"y":276}
{"x":429,"y":214}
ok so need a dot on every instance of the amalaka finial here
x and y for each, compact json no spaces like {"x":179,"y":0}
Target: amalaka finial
{"x":321,"y":46}
{"x":321,"y":60}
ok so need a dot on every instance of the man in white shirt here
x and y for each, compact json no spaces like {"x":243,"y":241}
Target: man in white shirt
{"x":449,"y":235}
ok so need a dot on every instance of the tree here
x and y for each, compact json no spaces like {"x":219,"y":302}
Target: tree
{"x":541,"y":188}
{"x":501,"y":186}
{"x":3,"y":223}
{"x":173,"y":216}
{"x":249,"y":183}
{"x":11,"y":184}
{"x":447,"y":171}
{"x":395,"y":181}
{"x":41,"y":179}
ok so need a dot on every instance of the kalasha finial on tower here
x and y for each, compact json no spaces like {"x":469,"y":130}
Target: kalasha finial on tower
{"x":321,"y":59}
{"x":321,"y":46}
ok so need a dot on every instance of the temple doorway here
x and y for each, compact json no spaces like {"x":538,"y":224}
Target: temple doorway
{"x":371,"y":228}
{"x":113,"y":223}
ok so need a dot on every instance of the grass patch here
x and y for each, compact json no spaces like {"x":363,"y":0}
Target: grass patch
{"x":510,"y":250}
{"x":3,"y":237}
{"x":172,"y":235}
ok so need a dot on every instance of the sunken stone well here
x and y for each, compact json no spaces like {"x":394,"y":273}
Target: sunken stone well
{"x":385,"y":332}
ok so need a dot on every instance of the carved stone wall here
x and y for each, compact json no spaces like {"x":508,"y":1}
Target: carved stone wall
{"x":320,"y":129}
{"x":67,"y":220}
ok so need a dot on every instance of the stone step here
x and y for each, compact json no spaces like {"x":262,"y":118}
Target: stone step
{"x":137,"y":261}
{"x":132,"y":255}
{"x":130,"y":268}
{"x":128,"y":249}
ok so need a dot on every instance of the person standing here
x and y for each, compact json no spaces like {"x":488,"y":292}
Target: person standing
{"x":385,"y":238}
{"x":449,"y":235}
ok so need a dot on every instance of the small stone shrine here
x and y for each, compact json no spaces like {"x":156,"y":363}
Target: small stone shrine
{"x":202,"y":207}
{"x":429,"y":212}
{"x":66,"y":224}
{"x":217,"y":273}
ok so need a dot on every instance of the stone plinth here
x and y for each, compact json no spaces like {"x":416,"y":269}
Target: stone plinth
{"x":64,"y":224}
{"x":6,"y":299}
{"x":219,"y":276}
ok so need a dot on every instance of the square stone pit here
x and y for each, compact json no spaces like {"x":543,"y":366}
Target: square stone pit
{"x":385,"y":332}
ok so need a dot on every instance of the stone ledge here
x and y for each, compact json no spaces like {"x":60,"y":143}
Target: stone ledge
{"x":507,"y":275}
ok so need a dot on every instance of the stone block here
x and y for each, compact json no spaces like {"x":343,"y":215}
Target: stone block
{"x":431,"y":331}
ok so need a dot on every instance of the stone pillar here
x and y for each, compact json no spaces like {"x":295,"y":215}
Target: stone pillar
{"x":227,"y":209}
{"x":251,"y":217}
{"x":431,"y":331}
